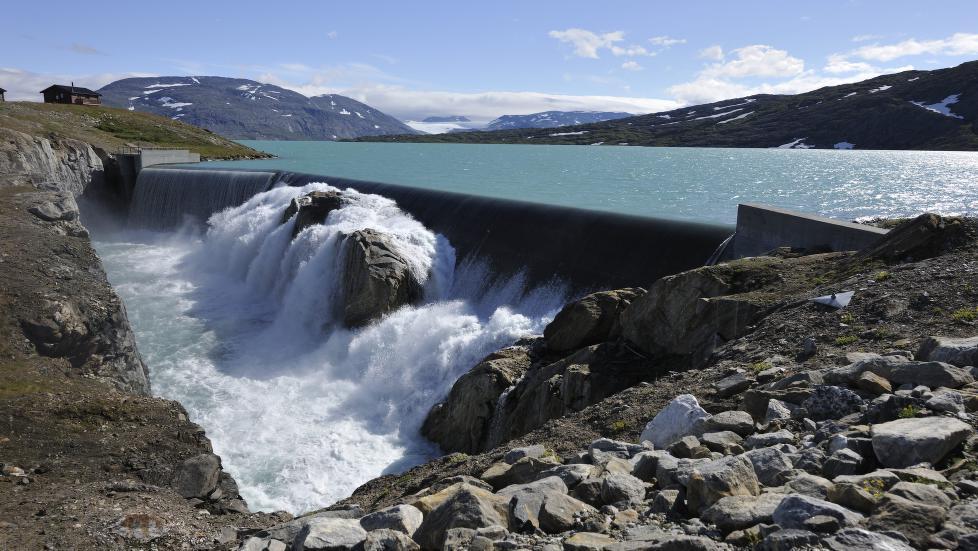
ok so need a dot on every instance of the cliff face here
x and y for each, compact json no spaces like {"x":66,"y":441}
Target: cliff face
{"x":72,"y":165}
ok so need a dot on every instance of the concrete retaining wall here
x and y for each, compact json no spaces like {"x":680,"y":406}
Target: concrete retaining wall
{"x":761,"y":228}
{"x":153,"y":157}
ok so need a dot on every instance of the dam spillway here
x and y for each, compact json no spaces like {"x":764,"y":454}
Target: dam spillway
{"x":585,"y":249}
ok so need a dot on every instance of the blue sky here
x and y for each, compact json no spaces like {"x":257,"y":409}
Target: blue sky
{"x":485,"y":59}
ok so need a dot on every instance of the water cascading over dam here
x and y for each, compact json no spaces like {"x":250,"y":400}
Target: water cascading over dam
{"x":585,"y":249}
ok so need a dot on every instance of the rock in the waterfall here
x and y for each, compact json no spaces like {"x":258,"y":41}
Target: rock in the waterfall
{"x":403,"y":518}
{"x":960,"y":352}
{"x":461,"y":423}
{"x":794,"y":510}
{"x":590,"y":320}
{"x":376,"y":278}
{"x":906,"y":442}
{"x":683,"y":416}
{"x":468,"y":507}
{"x":729,"y":476}
{"x":329,"y":534}
{"x":312,"y":209}
{"x":198,"y":476}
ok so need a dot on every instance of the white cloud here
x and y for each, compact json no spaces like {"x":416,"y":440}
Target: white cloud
{"x":713,"y":52}
{"x":666,"y":41}
{"x":24,"y":85}
{"x":757,"y":60}
{"x":631,"y":66}
{"x":587,"y":43}
{"x":838,"y":64}
{"x":955,"y":45}
{"x":332,"y":35}
{"x":866,"y":37}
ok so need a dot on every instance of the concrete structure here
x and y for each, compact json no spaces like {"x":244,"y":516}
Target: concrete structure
{"x":762,"y":228}
{"x":131,"y":161}
{"x":75,"y":95}
{"x":2,"y":92}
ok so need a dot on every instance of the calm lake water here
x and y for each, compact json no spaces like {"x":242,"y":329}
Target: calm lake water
{"x":682,"y":183}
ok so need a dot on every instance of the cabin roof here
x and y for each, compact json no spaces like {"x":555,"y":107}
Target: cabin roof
{"x":77,"y":90}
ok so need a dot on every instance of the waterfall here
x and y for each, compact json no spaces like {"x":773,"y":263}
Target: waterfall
{"x":237,"y":325}
{"x":164,"y":198}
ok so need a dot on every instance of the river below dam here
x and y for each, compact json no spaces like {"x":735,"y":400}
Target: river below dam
{"x":232,"y":317}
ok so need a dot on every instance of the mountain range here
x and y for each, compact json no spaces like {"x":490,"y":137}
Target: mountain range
{"x":935,"y":110}
{"x":552,"y":119}
{"x":245,"y":109}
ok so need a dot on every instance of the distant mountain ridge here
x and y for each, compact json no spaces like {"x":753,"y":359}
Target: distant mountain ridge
{"x":246,"y":109}
{"x":935,"y":110}
{"x":446,"y":118}
{"x":553,"y":119}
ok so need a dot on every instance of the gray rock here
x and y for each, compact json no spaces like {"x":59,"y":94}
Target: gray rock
{"x":526,"y":501}
{"x":388,"y":540}
{"x":571,"y":474}
{"x":682,"y":416}
{"x":607,"y":446}
{"x":587,"y":541}
{"x":403,"y":518}
{"x":523,"y":471}
{"x":771,"y":465}
{"x":684,"y":447}
{"x":469,"y":507}
{"x":713,"y":480}
{"x":788,"y":540}
{"x":916,"y":521}
{"x":738,"y":512}
{"x":329,"y":534}
{"x":515,"y":454}
{"x":961,"y":352}
{"x":906,"y":442}
{"x":927,"y":494}
{"x":853,"y":539}
{"x":777,"y":411}
{"x":831,"y":402}
{"x":622,"y":489}
{"x":809,"y":485}
{"x":733,"y":384}
{"x":62,"y":207}
{"x":725,"y":442}
{"x":858,"y":497}
{"x":930,"y":374}
{"x":795,"y":509}
{"x":376,"y":279}
{"x":312,"y":209}
{"x":767,"y":439}
{"x":739,"y":422}
{"x":665,"y":501}
{"x":842,"y":462}
{"x":197,"y":476}
{"x":873,"y":383}
{"x":590,"y":320}
{"x":559,"y":513}
{"x":946,"y":400}
{"x":259,"y":544}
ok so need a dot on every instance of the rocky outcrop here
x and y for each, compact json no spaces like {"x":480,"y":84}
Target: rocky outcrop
{"x":689,"y":314}
{"x":376,"y":279}
{"x":591,"y":320}
{"x":463,"y":421}
{"x":69,"y":164}
{"x":72,"y":311}
{"x":312,"y":209}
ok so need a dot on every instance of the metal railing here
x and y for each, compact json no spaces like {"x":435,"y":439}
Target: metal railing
{"x":136,"y":150}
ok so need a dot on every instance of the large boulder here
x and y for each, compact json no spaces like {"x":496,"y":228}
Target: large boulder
{"x":795,"y":509}
{"x":732,"y":475}
{"x":462,"y":422}
{"x":960,"y":352}
{"x":312,"y":209}
{"x":198,"y":476}
{"x":739,"y":512}
{"x":925,"y":236}
{"x":329,"y":534}
{"x":906,"y":442}
{"x":681,"y":417}
{"x":689,"y":313}
{"x":590,"y":320}
{"x":376,"y":279}
{"x":403,"y":518}
{"x":468,"y":507}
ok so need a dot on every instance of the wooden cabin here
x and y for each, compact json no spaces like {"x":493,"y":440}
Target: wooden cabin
{"x":2,"y":92}
{"x":59,"y":93}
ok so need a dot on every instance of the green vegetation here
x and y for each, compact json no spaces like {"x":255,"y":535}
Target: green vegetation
{"x":874,"y":487}
{"x":758,"y":367}
{"x":456,"y":458}
{"x":965,"y":314}
{"x":908,"y":412}
{"x":847,"y":318}
{"x":618,"y":426}
{"x":112,"y":129}
{"x":845,"y":340}
{"x":882,"y":276}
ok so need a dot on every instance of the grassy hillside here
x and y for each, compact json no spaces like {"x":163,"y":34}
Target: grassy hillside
{"x":929,"y":110}
{"x":113,"y":129}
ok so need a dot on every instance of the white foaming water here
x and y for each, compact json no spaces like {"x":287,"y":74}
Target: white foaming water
{"x":236,"y":324}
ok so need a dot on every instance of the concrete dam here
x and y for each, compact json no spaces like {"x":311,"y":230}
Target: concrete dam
{"x":586,"y":250}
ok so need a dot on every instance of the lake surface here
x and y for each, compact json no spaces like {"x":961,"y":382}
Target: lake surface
{"x":697,"y":184}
